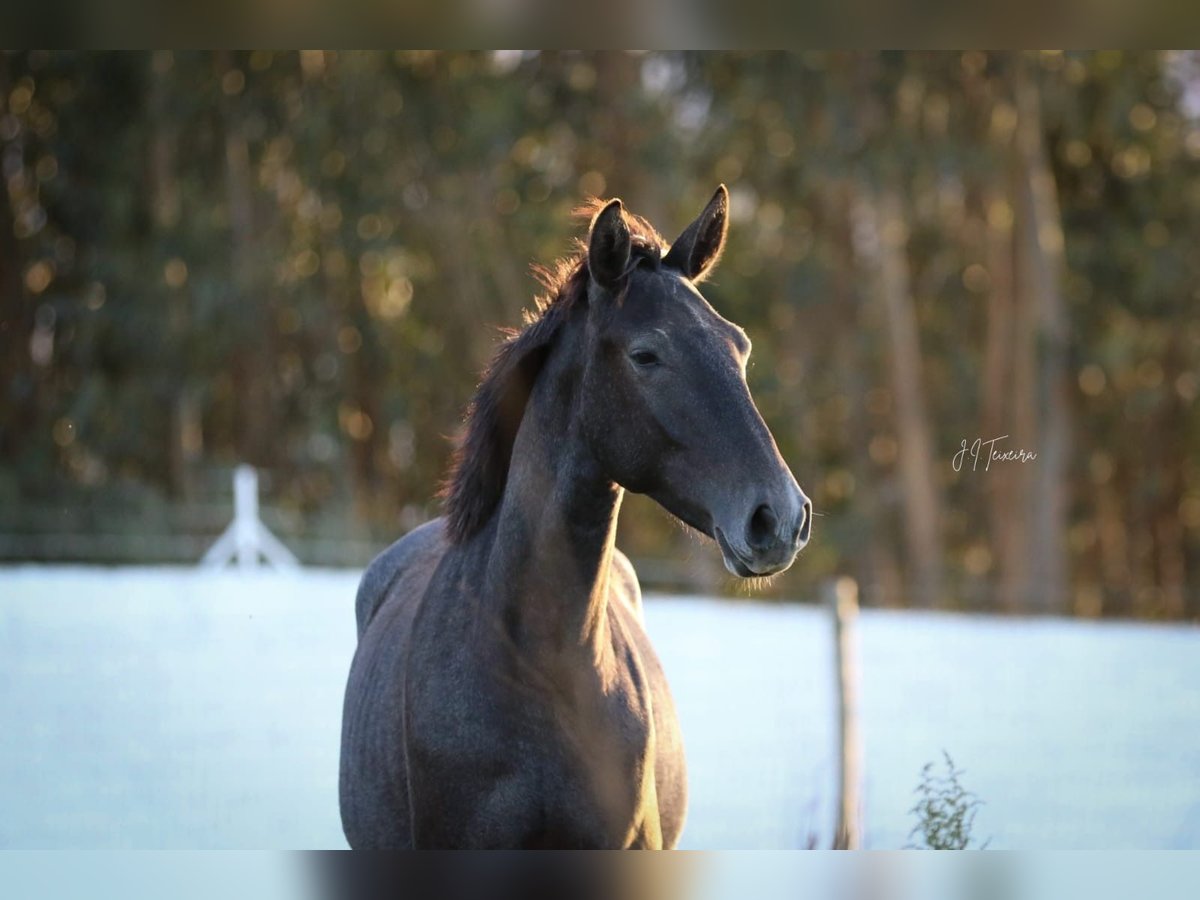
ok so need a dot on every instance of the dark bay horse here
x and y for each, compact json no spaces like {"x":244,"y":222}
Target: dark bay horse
{"x":504,"y":692}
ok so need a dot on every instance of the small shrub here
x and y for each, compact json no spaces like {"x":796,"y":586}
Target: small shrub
{"x":945,"y":811}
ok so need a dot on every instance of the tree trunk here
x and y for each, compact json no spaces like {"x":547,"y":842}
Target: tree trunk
{"x":1114,"y":560}
{"x":886,"y":239}
{"x":1045,"y":339}
{"x":618,"y":73}
{"x":252,"y":359}
{"x":1169,"y":540}
{"x":17,"y":407}
{"x":1004,"y":486}
{"x":877,"y":571}
{"x":184,"y":439}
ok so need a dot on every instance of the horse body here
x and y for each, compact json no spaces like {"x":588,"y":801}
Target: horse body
{"x":504,"y":692}
{"x":525,"y":749}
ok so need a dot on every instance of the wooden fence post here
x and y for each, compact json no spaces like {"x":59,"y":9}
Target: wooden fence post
{"x":842,"y":599}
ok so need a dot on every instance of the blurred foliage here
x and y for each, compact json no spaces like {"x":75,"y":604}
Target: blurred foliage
{"x":945,"y":810}
{"x":299,"y":260}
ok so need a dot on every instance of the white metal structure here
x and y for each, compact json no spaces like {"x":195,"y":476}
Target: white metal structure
{"x":247,"y":541}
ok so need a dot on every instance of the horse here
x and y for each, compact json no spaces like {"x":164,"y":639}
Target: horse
{"x":504,"y":692}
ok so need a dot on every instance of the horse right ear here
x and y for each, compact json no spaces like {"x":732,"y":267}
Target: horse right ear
{"x":697,"y":250}
{"x":609,"y":246}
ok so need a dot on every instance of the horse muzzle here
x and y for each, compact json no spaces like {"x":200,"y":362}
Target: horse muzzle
{"x":770,"y":539}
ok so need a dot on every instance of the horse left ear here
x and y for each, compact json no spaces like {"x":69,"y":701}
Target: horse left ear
{"x":609,"y":246}
{"x":697,"y":250}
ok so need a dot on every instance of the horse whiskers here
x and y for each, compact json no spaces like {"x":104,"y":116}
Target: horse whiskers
{"x":749,"y":585}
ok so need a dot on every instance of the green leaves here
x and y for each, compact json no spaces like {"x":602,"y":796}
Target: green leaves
{"x":945,"y":810}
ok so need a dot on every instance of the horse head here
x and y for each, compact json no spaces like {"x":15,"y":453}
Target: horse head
{"x":668,"y":411}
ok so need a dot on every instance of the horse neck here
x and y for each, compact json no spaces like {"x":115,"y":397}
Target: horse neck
{"x":549,"y":564}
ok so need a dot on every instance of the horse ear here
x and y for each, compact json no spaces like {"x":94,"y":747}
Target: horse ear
{"x":697,"y":250}
{"x":609,"y":246}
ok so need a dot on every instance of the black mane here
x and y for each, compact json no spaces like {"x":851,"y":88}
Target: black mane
{"x":479,"y":468}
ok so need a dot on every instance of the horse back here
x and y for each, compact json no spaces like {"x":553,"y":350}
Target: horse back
{"x":413,"y":558}
{"x":372,"y":786}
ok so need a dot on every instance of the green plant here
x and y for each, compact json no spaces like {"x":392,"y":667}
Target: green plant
{"x":945,"y":810}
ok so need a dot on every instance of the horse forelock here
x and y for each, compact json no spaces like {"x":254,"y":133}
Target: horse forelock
{"x":479,"y":466}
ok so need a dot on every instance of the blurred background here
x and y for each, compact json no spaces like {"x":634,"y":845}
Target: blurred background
{"x":301,"y":260}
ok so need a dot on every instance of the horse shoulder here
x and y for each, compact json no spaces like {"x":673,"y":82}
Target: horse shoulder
{"x":670,"y":764}
{"x":624,"y":583}
{"x":413,"y":557}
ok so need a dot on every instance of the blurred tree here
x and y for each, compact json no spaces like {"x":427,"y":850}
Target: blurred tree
{"x":300,"y":260}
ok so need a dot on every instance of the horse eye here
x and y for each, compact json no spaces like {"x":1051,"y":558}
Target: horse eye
{"x":644,"y":358}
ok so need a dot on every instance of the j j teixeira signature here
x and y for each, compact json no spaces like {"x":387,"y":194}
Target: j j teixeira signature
{"x":989,"y":453}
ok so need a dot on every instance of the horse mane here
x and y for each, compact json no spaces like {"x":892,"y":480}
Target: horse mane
{"x":479,"y":466}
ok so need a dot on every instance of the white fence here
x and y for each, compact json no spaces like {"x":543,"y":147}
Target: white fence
{"x":247,"y":541}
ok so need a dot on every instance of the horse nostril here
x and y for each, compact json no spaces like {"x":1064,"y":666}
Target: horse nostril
{"x":805,"y":526}
{"x":764,"y":526}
